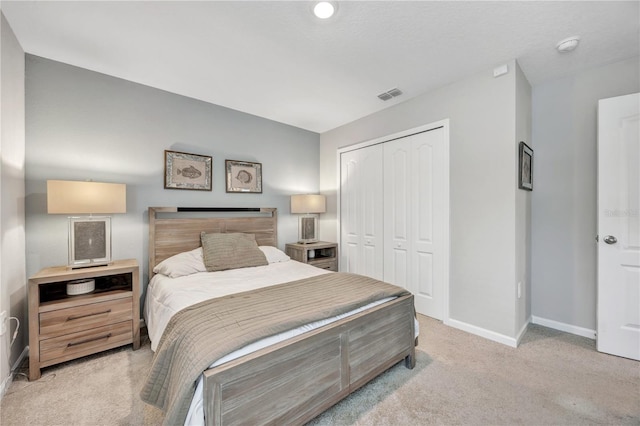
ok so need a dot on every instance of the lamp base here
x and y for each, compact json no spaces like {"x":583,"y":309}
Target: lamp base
{"x":308,"y":241}
{"x":89,"y":241}
{"x":307,"y":227}
{"x":88,"y":265}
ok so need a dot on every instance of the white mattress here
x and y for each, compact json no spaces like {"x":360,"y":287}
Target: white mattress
{"x":166,"y":296}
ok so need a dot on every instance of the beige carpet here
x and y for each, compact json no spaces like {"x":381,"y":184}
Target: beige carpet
{"x":553,"y":378}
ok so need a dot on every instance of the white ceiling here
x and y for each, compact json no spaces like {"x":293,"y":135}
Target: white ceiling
{"x":276,"y":60}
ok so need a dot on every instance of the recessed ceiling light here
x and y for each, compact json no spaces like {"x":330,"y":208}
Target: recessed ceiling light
{"x":568,"y":44}
{"x":324,"y":9}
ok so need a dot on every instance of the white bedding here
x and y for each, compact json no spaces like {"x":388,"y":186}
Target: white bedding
{"x":166,"y":296}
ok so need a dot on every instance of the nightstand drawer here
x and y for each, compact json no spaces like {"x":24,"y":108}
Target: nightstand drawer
{"x":74,"y":345}
{"x":84,"y":317}
{"x":330,"y":265}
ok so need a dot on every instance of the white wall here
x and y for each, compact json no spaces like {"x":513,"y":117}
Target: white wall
{"x":523,"y":206}
{"x":85,"y":125}
{"x":564,"y":200}
{"x":13,"y":297}
{"x":483,"y":143}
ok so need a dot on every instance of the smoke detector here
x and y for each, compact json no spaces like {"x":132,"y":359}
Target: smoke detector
{"x":568,"y":44}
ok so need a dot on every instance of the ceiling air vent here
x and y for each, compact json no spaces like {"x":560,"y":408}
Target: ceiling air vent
{"x":390,"y":94}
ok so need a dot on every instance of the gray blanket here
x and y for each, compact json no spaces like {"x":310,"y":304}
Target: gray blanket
{"x":200,"y":334}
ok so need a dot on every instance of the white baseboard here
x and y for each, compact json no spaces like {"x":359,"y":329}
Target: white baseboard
{"x":482,"y":332}
{"x":514,"y":342}
{"x":568,"y":328}
{"x":523,"y":330}
{"x":7,"y":381}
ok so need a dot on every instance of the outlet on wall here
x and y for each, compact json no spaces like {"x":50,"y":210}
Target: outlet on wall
{"x":3,"y":322}
{"x":519,"y":289}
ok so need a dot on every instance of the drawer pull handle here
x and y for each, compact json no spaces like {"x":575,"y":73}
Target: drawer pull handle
{"x":93,"y":339}
{"x":75,"y":317}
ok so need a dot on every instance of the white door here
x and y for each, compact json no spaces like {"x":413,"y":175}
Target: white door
{"x":397,"y":212}
{"x":619,"y":226}
{"x":361,"y":212}
{"x":414,"y":227}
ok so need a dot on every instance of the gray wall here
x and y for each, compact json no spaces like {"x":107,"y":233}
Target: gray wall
{"x":85,"y":125}
{"x":564,"y":198}
{"x":13,"y":295}
{"x":483,"y":150}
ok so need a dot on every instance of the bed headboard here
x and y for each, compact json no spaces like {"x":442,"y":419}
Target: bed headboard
{"x":174,"y":230}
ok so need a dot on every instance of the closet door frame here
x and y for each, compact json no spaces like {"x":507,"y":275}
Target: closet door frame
{"x":446,"y":255}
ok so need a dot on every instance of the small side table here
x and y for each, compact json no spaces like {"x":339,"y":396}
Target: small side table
{"x":63,"y":327}
{"x":321,"y":254}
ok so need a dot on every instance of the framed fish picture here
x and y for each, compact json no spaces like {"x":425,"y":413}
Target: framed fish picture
{"x":243,"y":176}
{"x":187,"y":171}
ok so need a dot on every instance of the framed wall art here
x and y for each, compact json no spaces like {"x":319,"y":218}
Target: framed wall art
{"x":525,"y":167}
{"x":243,"y":176}
{"x":187,"y":171}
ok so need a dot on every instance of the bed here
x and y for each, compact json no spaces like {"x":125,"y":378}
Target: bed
{"x":294,"y":374}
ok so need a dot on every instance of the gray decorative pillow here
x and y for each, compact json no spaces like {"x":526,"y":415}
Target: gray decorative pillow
{"x":230,"y":251}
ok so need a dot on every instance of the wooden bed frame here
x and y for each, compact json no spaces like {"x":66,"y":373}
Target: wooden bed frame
{"x":295,"y":380}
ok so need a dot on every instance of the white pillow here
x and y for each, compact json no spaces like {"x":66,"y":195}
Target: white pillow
{"x":181,"y":264}
{"x":274,"y":255}
{"x":191,"y":262}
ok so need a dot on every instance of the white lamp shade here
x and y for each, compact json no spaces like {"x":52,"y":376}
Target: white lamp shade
{"x":308,"y":203}
{"x":77,"y":197}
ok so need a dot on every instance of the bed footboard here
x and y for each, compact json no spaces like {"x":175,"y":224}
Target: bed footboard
{"x":295,"y":380}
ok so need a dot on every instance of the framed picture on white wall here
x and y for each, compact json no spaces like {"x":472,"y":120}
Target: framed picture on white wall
{"x":525,"y":167}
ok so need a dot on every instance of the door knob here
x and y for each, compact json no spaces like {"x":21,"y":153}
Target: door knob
{"x":610,"y":239}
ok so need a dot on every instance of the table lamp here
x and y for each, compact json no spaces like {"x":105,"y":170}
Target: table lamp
{"x":308,"y":205}
{"x":89,"y":236}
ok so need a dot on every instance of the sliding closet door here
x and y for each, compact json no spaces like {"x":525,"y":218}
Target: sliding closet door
{"x":413,"y":218}
{"x":361,"y":212}
{"x":397,"y":212}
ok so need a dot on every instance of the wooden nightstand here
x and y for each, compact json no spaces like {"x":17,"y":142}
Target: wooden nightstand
{"x":62,"y":327}
{"x":325,"y":254}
